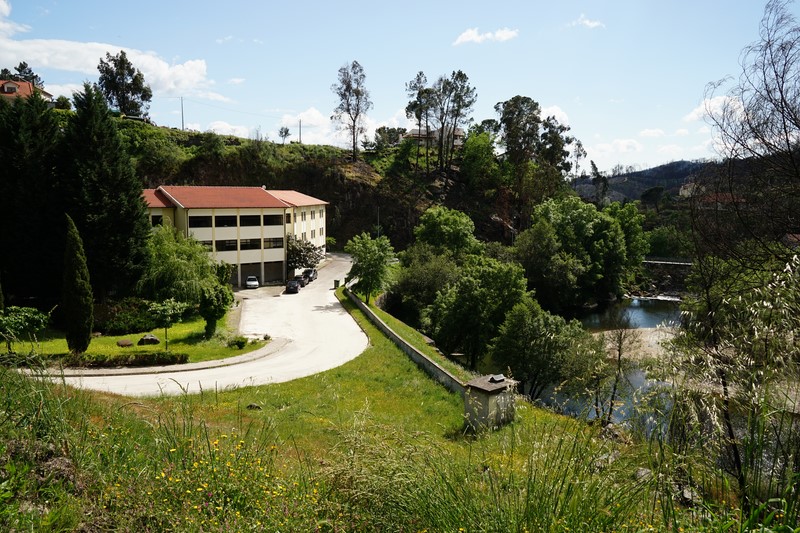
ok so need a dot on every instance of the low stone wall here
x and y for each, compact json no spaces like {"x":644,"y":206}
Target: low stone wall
{"x":448,"y":380}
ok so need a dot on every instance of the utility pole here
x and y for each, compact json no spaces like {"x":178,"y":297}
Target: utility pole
{"x":300,"y":127}
{"x":182,"y":128}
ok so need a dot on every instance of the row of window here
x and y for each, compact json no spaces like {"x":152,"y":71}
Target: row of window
{"x":229,"y":221}
{"x":230,"y":245}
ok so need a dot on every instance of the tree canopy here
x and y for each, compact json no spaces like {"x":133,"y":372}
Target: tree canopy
{"x":370,"y":262}
{"x":573,"y":254}
{"x":353,"y":101}
{"x":466,"y":314}
{"x":77,"y":299}
{"x":542,"y":349}
{"x":103,"y":196}
{"x":447,"y":229}
{"x":123,"y":85}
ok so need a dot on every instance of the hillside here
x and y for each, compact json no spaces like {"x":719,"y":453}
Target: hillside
{"x":382,"y":190}
{"x":631,"y":185}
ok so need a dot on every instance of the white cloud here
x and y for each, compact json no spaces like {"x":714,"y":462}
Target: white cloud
{"x":713,"y":106}
{"x":223,"y":128}
{"x":651,"y":132}
{"x":555,"y":111}
{"x":473,"y":36}
{"x":316,"y":127}
{"x":223,"y":40}
{"x":587,"y":23}
{"x":673,"y":150}
{"x":7,"y":27}
{"x":681,"y":132}
{"x":236,"y":81}
{"x":618,"y":146}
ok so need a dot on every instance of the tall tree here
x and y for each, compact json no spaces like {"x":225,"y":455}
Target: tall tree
{"x":283,"y":133}
{"x":77,"y":302}
{"x":542,"y":349}
{"x":104,"y":197}
{"x":354,"y":102}
{"x":419,"y":108}
{"x":447,"y":230}
{"x":22,"y":72}
{"x":754,"y":194}
{"x":123,"y":85}
{"x":466,"y":315}
{"x":370,"y":262}
{"x":451,"y":101}
{"x":573,"y":254}
{"x":31,"y":205}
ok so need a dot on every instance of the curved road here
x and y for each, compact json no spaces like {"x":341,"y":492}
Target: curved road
{"x":311,"y":332}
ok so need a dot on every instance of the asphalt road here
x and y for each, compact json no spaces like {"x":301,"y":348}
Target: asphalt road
{"x":311,"y":332}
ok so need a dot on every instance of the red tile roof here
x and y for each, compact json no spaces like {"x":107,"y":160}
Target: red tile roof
{"x":155,"y":198}
{"x":191,"y":197}
{"x":296,"y":199}
{"x":24,"y":89}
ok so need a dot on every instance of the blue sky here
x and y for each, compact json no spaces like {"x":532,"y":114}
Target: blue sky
{"x":628,"y":76}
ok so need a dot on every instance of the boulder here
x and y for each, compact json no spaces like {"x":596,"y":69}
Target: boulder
{"x":148,"y":339}
{"x":124,"y":343}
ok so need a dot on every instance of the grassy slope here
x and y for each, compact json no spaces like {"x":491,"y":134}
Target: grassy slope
{"x":373,"y":445}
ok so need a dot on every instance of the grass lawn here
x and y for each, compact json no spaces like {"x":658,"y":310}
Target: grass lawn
{"x":184,"y":337}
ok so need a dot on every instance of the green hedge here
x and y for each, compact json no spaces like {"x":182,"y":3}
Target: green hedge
{"x":132,"y":359}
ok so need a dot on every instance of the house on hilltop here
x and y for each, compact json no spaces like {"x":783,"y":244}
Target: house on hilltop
{"x":13,"y":89}
{"x":245,"y":226}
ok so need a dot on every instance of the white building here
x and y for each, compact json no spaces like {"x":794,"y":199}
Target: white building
{"x":244,"y":226}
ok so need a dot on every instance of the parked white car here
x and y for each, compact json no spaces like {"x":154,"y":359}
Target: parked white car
{"x":251,"y":282}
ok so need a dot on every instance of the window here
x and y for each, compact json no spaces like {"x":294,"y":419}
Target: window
{"x":157,"y":220}
{"x":249,"y":220}
{"x":250,"y":244}
{"x":321,"y":232}
{"x":225,"y":221}
{"x":303,"y":216}
{"x":274,"y":220}
{"x":275,"y":242}
{"x":227,"y":245}
{"x":312,"y":215}
{"x":303,"y":236}
{"x":288,"y":218}
{"x":321,"y":213}
{"x":312,"y":234}
{"x":207,"y":245}
{"x":200,"y":222}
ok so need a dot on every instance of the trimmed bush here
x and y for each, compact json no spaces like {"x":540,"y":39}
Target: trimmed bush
{"x":129,"y":315}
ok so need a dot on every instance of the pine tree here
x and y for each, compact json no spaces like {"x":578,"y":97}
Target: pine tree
{"x":104,"y":196}
{"x":77,"y":302}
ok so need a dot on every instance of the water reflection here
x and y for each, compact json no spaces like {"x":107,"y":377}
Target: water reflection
{"x":640,"y":312}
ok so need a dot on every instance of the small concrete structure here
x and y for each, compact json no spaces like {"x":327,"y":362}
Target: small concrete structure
{"x":489,"y":401}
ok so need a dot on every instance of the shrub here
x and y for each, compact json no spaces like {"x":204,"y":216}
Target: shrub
{"x":238,"y":342}
{"x":125,"y":359}
{"x":129,"y":315}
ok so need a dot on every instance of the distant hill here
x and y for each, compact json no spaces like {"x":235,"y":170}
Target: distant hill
{"x":631,"y":185}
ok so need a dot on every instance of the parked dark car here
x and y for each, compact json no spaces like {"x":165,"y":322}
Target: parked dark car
{"x":301,"y":280}
{"x":310,"y":273}
{"x":293,"y":286}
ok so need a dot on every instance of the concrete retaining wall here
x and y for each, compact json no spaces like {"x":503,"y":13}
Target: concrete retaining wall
{"x":435,"y":371}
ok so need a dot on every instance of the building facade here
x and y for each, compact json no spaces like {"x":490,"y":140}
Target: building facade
{"x":247,"y":227}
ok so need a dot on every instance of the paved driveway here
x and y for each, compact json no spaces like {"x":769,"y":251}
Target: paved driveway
{"x":311,"y":333}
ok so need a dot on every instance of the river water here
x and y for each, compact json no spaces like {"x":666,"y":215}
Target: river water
{"x":640,"y":313}
{"x":635,"y":385}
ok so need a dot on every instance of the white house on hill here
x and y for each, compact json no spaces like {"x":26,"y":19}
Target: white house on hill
{"x":244,"y":226}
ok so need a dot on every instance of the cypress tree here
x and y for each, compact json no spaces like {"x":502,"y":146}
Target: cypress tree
{"x":104,"y":196}
{"x":77,"y":301}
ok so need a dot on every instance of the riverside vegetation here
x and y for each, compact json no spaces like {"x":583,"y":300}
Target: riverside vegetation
{"x":334,"y":452}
